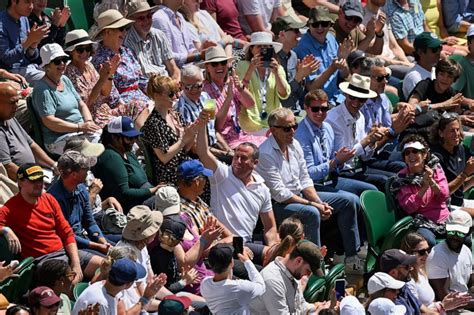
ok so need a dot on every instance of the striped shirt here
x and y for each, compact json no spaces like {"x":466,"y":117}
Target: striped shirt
{"x":405,"y":23}
{"x":197,"y":211}
{"x":151,"y":52}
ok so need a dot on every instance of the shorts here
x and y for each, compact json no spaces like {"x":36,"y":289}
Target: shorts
{"x":84,"y":258}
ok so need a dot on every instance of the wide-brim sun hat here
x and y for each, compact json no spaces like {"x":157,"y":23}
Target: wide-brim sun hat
{"x":262,"y":38}
{"x":215,"y":54}
{"x":142,"y":223}
{"x":110,"y":19}
{"x":358,"y":86}
{"x":138,"y":6}
{"x":77,"y":38}
{"x":49,"y":52}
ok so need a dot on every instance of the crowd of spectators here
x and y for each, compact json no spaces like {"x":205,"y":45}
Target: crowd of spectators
{"x":210,"y":156}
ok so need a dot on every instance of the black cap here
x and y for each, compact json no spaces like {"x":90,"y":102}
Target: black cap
{"x":174,"y":225}
{"x":353,"y":8}
{"x":392,"y":258}
{"x":30,"y":171}
{"x":354,"y":56}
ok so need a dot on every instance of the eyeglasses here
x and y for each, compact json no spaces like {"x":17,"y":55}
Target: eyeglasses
{"x":60,"y":60}
{"x":354,"y":98}
{"x":144,"y":17}
{"x":410,"y":151}
{"x":287,"y":128}
{"x":317,"y":109}
{"x":216,"y":63}
{"x":294,"y":30}
{"x":323,"y":24}
{"x":354,"y":19}
{"x":436,"y":49}
{"x":81,"y":49}
{"x":423,"y":252}
{"x":380,"y":78}
{"x":189,"y":87}
{"x":456,"y":234}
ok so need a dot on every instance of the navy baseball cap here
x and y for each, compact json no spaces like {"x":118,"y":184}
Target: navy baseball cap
{"x":126,"y":270}
{"x":123,"y":126}
{"x":192,"y":169}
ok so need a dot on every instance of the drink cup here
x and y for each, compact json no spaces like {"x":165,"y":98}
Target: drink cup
{"x":210,"y":106}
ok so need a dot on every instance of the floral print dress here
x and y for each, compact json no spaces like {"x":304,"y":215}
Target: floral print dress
{"x":128,"y":79}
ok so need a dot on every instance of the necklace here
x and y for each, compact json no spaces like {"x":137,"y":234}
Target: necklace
{"x":52,"y":81}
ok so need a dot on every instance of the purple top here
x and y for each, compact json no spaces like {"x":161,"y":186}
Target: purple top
{"x":199,"y":266}
{"x":432,"y":206}
{"x":180,"y":36}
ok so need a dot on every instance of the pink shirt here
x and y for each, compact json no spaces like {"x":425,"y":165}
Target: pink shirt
{"x":432,"y":206}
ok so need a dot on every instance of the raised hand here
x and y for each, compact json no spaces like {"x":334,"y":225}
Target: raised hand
{"x":65,"y":14}
{"x":345,"y":48}
{"x":380,"y":22}
{"x":344,"y":154}
{"x":305,"y":67}
{"x":190,"y":275}
{"x":36,"y":34}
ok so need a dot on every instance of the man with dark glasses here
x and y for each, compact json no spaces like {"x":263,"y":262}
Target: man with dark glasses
{"x":349,"y":17}
{"x":449,"y":264}
{"x":150,"y":45}
{"x":283,"y":166}
{"x":322,"y":44}
{"x":427,"y":51}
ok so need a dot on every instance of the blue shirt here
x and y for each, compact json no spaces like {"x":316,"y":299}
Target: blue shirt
{"x":190,"y":111}
{"x":325,"y":52}
{"x":405,"y":23}
{"x":406,"y":298}
{"x":455,"y":11}
{"x":377,"y":111}
{"x":318,"y":147}
{"x":12,"y":34}
{"x":77,"y":211}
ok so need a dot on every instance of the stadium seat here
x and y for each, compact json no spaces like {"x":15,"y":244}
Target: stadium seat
{"x":315,"y":289}
{"x":398,"y":231}
{"x":336,"y":272}
{"x":14,"y":288}
{"x":78,"y":289}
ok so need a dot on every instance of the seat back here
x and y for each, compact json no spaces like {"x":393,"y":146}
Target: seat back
{"x":315,"y":289}
{"x":336,"y":272}
{"x":78,"y":289}
{"x":35,"y":122}
{"x":392,"y":201}
{"x":397,"y":233}
{"x":14,"y":288}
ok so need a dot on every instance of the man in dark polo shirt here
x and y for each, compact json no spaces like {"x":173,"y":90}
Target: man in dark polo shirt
{"x":349,"y":17}
{"x":16,"y":146}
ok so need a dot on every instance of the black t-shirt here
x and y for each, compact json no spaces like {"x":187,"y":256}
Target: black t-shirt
{"x":453,"y":165}
{"x":426,"y":91}
{"x":164,"y":261}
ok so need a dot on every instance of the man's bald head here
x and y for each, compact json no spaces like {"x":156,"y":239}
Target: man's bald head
{"x":9,"y":98}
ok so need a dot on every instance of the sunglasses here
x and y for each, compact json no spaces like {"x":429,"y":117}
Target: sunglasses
{"x":423,"y":252}
{"x":317,"y":109}
{"x":123,"y":28}
{"x":216,"y":63}
{"x":294,"y":30}
{"x":323,"y":24}
{"x":172,"y":94}
{"x":380,"y":78}
{"x":436,"y":49}
{"x":456,"y":234}
{"x":60,"y":60}
{"x":287,"y":128}
{"x":189,"y":87}
{"x":354,"y":98}
{"x":355,"y":19}
{"x":144,"y":17}
{"x":82,"y":49}
{"x":411,"y":151}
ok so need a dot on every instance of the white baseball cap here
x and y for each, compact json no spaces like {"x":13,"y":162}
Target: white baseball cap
{"x":382,"y":280}
{"x":460,"y":221}
{"x":350,"y":305}
{"x":470,"y":31}
{"x":384,"y":306}
{"x":167,"y":200}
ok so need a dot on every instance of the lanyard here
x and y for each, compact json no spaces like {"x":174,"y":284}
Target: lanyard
{"x":263,"y":93}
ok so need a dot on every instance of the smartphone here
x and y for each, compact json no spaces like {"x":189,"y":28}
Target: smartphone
{"x":267,"y":55}
{"x":238,"y":244}
{"x":340,"y":288}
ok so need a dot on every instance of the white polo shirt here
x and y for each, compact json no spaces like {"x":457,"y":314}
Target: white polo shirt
{"x":235,"y":205}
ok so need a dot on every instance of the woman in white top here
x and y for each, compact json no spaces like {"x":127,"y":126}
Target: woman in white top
{"x":415,"y":244}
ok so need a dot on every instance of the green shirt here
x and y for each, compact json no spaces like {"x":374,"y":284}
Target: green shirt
{"x":251,"y":118}
{"x":465,"y":83}
{"x":122,"y":178}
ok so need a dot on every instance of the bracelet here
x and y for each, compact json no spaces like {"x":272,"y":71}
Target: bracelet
{"x":5,"y":230}
{"x":197,"y":57}
{"x":245,"y":83}
{"x":221,"y":43}
{"x":203,"y":242}
{"x":110,"y":78}
{"x":182,"y":283}
{"x":379,"y":36}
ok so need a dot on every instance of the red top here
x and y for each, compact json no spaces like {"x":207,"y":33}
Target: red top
{"x":41,"y":228}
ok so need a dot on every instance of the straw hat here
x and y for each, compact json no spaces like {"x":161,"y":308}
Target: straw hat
{"x":139,"y":7}
{"x":262,"y":38}
{"x":215,"y":54}
{"x":49,"y":52}
{"x":358,"y":86}
{"x":110,"y":19}
{"x":77,"y":38}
